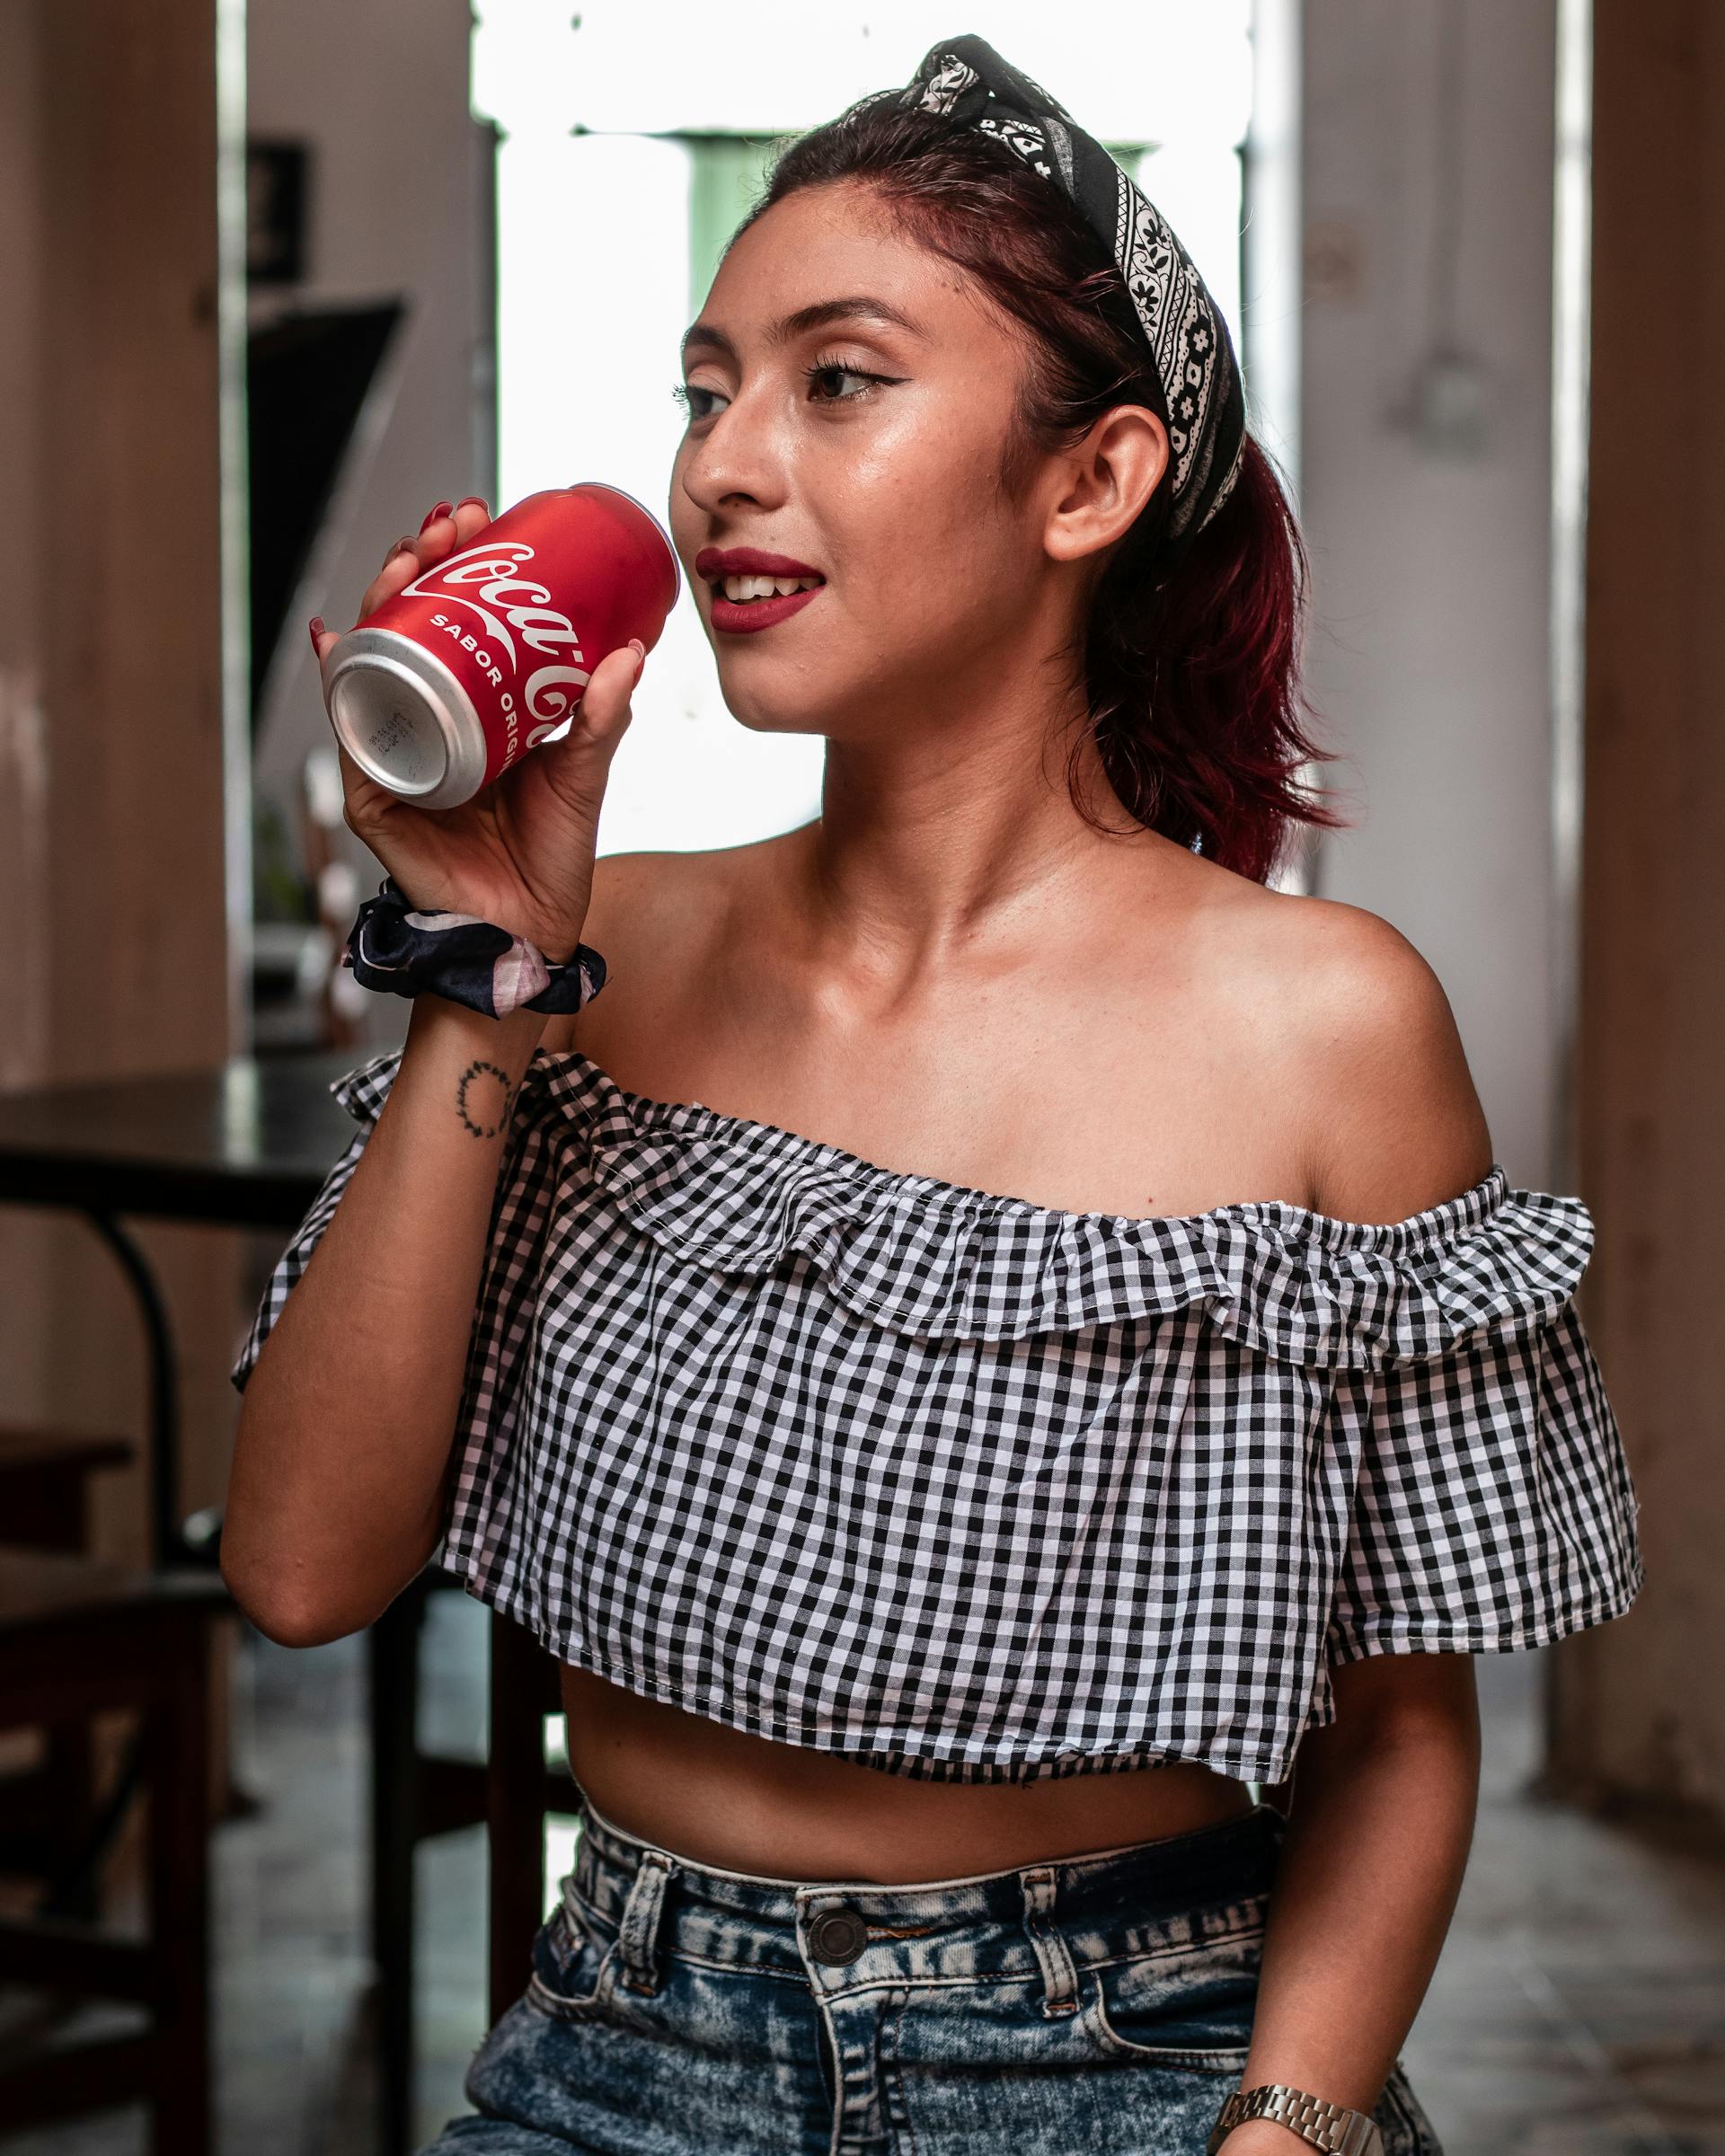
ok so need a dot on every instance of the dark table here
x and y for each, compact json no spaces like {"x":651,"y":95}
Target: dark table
{"x":246,"y":1144}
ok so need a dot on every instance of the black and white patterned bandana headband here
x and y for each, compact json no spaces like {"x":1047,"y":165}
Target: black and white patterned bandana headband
{"x":1204,"y":405}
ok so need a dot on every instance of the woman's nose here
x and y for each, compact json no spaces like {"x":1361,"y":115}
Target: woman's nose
{"x":739,"y":454}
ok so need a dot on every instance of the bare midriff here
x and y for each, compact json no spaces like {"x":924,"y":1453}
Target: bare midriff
{"x":719,"y":1796}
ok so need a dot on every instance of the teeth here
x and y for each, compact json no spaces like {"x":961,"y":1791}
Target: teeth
{"x":741,"y":589}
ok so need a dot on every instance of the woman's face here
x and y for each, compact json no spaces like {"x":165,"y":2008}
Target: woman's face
{"x":869,"y":450}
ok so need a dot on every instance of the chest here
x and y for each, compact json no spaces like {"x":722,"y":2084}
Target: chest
{"x":1068,"y":1104}
{"x":1119,"y":1055}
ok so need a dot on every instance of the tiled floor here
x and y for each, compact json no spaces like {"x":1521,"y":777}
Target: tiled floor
{"x":1579,"y":2006}
{"x":1580,"y":2009}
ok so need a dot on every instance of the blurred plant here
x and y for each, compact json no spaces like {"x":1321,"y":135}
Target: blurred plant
{"x":281,"y":889}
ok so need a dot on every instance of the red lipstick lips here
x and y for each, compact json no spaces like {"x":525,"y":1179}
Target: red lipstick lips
{"x":714,"y":561}
{"x":713,"y":564}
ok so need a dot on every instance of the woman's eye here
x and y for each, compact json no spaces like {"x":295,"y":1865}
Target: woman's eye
{"x":697,"y":403}
{"x":824,"y":368}
{"x":829,"y":383}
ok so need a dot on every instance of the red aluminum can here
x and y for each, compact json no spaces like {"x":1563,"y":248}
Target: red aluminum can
{"x":468,"y":667}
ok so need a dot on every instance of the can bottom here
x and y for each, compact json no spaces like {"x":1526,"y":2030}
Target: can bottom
{"x":389,"y":730}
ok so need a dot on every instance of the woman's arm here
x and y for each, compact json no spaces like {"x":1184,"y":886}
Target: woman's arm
{"x":336,"y":1494}
{"x":1377,"y":1842}
{"x":1383,"y":1803}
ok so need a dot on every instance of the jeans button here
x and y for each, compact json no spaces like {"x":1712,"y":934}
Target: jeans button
{"x":838,"y":1935}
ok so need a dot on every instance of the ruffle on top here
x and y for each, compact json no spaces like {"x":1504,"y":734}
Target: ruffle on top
{"x":701,"y":1451}
{"x":920,"y":1255}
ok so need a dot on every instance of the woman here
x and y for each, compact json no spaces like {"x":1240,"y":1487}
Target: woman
{"x":999,"y":1328}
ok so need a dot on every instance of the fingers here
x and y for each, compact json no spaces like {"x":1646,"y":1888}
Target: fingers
{"x":604,"y":707}
{"x":400,"y":565}
{"x":365,"y":804}
{"x":354,"y":780}
{"x":444,"y":529}
{"x":447,"y":526}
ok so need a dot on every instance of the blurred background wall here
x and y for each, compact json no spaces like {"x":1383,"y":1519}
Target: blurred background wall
{"x":119,"y":756}
{"x":129,"y":781}
{"x":1425,"y":491}
{"x":399,"y":201}
{"x":1640,"y":1708}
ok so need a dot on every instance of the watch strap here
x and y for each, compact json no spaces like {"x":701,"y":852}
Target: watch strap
{"x":1324,"y":2124}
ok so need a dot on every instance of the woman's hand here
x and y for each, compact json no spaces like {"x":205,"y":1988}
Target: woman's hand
{"x":520,"y":853}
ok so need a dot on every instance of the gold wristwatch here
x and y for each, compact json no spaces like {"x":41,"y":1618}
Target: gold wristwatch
{"x":1325,"y":2126}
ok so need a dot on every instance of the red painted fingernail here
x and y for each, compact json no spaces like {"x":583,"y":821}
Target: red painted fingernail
{"x":478,"y":501}
{"x":444,"y":509}
{"x":317,"y":628}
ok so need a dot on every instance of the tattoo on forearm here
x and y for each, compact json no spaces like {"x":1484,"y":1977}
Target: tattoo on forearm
{"x":475,"y":1097}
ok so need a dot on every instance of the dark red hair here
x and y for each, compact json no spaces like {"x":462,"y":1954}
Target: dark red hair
{"x":1192,"y":674}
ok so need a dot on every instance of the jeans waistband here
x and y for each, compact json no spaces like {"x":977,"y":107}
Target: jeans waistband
{"x":1179,"y":1890}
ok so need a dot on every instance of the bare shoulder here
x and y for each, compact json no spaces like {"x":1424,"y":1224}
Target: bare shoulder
{"x":1395,"y":1123}
{"x":649,"y":909}
{"x":626,"y":883}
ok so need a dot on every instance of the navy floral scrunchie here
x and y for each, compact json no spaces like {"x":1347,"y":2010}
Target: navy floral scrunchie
{"x":397,"y":949}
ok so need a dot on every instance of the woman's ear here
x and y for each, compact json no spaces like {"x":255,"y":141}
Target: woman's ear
{"x":1109,"y":477}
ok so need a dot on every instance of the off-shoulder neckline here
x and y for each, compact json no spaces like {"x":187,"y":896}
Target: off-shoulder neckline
{"x":1467,"y":1209}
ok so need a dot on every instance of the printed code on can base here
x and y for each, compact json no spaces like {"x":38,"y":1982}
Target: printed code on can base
{"x":395,"y":732}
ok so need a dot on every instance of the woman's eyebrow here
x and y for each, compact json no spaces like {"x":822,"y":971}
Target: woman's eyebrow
{"x":821,"y":314}
{"x":707,"y":337}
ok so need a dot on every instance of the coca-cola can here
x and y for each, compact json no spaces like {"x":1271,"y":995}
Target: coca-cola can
{"x":473,"y":664}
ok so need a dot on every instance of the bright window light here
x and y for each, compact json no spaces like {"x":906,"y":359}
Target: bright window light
{"x":616,"y":187}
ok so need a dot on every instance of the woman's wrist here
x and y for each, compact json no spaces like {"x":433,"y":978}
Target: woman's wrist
{"x":514,"y":1037}
{"x":403,"y":949}
{"x":1263,"y":2137}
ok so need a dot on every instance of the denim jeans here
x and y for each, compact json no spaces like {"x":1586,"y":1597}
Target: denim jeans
{"x":1100,"y":2003}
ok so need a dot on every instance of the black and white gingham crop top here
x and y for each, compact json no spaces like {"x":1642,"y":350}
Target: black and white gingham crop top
{"x":972,"y":1489}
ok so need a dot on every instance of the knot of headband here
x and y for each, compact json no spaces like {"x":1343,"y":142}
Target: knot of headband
{"x":1203,"y":399}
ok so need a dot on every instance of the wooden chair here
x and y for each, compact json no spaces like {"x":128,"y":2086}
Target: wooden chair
{"x":45,"y":1477}
{"x":80,"y":1637}
{"x":45,"y":1483}
{"x":522,"y":1791}
{"x":416,"y":1794}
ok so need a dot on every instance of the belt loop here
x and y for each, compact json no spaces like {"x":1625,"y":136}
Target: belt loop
{"x":1054,"y":1957}
{"x":639,"y":1924}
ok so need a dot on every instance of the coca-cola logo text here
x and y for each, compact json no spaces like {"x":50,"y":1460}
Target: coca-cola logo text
{"x":483,"y":580}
